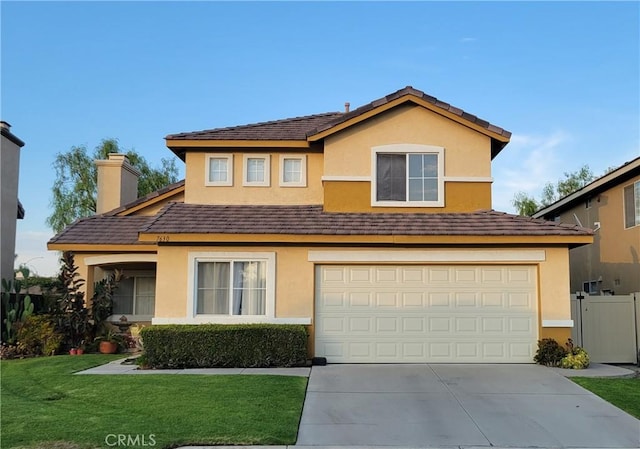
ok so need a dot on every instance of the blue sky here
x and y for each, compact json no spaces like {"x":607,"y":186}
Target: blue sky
{"x":562,"y":77}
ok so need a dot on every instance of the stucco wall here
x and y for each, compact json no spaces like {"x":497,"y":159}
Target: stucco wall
{"x":196,"y":192}
{"x":349,"y":196}
{"x":467,"y":152}
{"x":10,"y":166}
{"x":295,"y":281}
{"x":613,"y":260}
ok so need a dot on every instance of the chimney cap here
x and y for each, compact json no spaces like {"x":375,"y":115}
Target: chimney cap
{"x":347,"y":105}
{"x":5,"y":125}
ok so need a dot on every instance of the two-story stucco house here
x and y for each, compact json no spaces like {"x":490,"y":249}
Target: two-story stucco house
{"x":373,"y":227}
{"x":611,"y":205}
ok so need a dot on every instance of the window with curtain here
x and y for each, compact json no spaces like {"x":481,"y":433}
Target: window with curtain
{"x":231,"y":288}
{"x":632,"y":205}
{"x":135,"y":295}
{"x":407,"y":177}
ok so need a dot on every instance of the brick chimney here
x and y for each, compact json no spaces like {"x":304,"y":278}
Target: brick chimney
{"x":117,"y":182}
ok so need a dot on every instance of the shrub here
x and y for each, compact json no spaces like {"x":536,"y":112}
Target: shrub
{"x":549,"y":353}
{"x":217,"y":345}
{"x":38,"y":336}
{"x":576,"y":358}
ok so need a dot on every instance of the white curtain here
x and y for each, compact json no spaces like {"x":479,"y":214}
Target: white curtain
{"x":145,"y":296}
{"x":213,"y":288}
{"x":249,"y":288}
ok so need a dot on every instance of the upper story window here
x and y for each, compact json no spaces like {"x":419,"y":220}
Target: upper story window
{"x":632,"y":205}
{"x":293,"y":171}
{"x":219,"y":170}
{"x":407,"y":175}
{"x":256,"y":170}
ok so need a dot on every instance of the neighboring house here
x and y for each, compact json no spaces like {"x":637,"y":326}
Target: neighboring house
{"x":610,"y":205}
{"x":373,"y":227}
{"x":10,"y":207}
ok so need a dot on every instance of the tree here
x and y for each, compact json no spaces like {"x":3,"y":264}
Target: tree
{"x":528,"y":205}
{"x":75,"y":187}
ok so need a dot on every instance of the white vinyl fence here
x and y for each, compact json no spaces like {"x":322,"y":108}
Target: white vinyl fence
{"x":607,"y":327}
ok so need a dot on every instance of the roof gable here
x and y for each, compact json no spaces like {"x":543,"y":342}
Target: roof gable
{"x":312,"y":128}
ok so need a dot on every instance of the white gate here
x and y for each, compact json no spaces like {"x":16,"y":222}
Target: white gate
{"x":607,"y":326}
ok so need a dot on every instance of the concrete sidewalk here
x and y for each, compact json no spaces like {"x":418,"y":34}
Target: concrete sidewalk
{"x":116,"y":367}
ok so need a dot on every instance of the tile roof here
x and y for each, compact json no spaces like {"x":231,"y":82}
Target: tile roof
{"x":610,"y":179}
{"x":180,"y":218}
{"x":300,"y":128}
{"x":295,"y":128}
{"x":143,"y":199}
{"x":409,"y":90}
{"x":103,"y":230}
{"x":183,"y":218}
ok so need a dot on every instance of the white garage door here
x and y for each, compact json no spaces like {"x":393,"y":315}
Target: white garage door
{"x":418,"y":314}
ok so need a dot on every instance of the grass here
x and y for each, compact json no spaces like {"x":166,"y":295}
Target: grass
{"x":45,"y":406}
{"x":623,"y":393}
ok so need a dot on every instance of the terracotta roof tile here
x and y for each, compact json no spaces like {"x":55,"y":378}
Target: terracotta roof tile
{"x":180,"y":218}
{"x":150,"y":196}
{"x":299,"y":128}
{"x":286,"y":129}
{"x":103,"y":230}
{"x":183,"y":218}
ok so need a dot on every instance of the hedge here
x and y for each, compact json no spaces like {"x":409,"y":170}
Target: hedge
{"x":221,"y":345}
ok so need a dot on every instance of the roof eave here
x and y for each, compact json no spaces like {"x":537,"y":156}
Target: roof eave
{"x":615,"y":177}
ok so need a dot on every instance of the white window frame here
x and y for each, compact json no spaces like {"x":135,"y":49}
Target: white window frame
{"x":267,"y":170}
{"x":192,"y":287}
{"x":303,"y":170}
{"x":207,"y":179}
{"x":624,"y":204}
{"x":407,"y":148}
{"x":134,"y":317}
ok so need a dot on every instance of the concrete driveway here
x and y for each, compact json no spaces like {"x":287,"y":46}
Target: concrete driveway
{"x":458,"y":405}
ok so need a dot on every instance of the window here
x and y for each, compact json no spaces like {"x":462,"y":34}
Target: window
{"x":590,"y":287}
{"x":231,"y":285}
{"x":408,"y":175}
{"x":632,"y":205}
{"x":293,"y":171}
{"x":256,"y":171}
{"x":587,"y":203}
{"x":219,"y":170}
{"x":135,"y":296}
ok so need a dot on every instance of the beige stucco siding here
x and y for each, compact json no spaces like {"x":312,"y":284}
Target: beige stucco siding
{"x":467,"y":152}
{"x":613,"y":260}
{"x":196,"y":192}
{"x":294,"y":289}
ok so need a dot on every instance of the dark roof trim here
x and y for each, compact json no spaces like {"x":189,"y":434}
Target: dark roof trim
{"x":20,"y":211}
{"x":9,"y":135}
{"x":613,"y":178}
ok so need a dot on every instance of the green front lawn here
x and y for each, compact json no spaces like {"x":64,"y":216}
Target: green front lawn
{"x":43,"y":402}
{"x":623,"y":393}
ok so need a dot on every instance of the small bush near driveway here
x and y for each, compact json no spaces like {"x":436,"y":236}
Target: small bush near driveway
{"x":219,"y":345}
